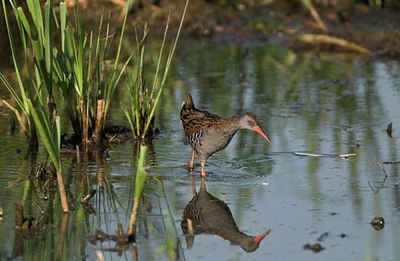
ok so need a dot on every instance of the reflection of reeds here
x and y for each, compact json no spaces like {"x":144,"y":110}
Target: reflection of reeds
{"x":140,"y":181}
{"x":51,"y":138}
{"x":172,"y":242}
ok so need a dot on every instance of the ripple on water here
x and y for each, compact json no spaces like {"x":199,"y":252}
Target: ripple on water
{"x":224,"y":172}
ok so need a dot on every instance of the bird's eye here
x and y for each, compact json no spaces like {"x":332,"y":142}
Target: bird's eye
{"x":251,"y":123}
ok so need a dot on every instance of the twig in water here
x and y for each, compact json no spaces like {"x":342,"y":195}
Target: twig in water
{"x":384,"y":172}
{"x":88,"y":196}
{"x":346,"y":156}
{"x":371,"y":187}
{"x":327,"y":39}
{"x":382,"y":168}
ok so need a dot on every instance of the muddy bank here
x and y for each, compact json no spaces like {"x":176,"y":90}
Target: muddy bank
{"x":375,"y":28}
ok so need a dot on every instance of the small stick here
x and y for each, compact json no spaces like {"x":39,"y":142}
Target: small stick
{"x":346,"y":156}
{"x":382,"y":168}
{"x":372,"y":163}
{"x":78,"y":157}
{"x":371,"y":187}
{"x":88,"y":196}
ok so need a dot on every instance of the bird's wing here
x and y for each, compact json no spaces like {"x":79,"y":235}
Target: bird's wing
{"x":201,"y":120}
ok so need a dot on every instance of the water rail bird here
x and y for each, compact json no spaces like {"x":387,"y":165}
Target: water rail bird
{"x":208,"y":133}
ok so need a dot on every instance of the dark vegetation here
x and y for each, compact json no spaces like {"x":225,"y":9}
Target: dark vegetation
{"x":373,"y":25}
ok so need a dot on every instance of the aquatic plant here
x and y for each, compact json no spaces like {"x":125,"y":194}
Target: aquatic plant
{"x":51,"y":137}
{"x":172,"y":245}
{"x":78,"y":68}
{"x":140,"y":181}
{"x":30,"y":81}
{"x":143,"y":99}
{"x":84,"y":76}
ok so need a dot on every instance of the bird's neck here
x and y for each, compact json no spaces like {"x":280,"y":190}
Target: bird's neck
{"x":232,"y":123}
{"x":237,"y":237}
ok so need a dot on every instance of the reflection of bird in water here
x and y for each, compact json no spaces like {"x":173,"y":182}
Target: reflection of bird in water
{"x":207,"y":214}
{"x":208,"y":133}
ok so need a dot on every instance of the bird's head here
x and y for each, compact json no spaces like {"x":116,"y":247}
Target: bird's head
{"x":249,"y":121}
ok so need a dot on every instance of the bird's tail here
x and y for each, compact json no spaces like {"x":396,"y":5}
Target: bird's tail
{"x":188,"y":103}
{"x":187,"y":107}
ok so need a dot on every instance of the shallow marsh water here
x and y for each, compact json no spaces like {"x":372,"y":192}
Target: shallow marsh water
{"x":328,"y":105}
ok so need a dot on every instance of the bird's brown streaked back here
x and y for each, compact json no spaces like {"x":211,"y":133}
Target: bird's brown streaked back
{"x":193,"y":119}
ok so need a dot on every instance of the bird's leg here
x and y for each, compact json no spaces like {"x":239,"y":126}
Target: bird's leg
{"x":193,"y":186}
{"x":203,"y":184}
{"x":190,"y":164}
{"x":203,"y":172}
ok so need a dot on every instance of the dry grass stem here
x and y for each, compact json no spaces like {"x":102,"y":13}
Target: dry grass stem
{"x":327,"y":39}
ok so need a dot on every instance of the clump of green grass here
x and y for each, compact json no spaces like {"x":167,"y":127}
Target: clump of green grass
{"x":84,"y":76}
{"x":78,"y":68}
{"x":39,"y":35}
{"x":80,"y":73}
{"x":144,"y":99}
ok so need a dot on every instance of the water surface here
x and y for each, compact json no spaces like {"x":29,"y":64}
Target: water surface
{"x":325,"y":105}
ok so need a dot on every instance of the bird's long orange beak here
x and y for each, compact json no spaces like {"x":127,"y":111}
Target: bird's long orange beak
{"x":258,"y":239}
{"x":261,"y":132}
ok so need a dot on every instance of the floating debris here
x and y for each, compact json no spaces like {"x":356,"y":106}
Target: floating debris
{"x":100,"y":236}
{"x":346,"y":156}
{"x":389,"y":130}
{"x":148,"y":207}
{"x":315,"y":247}
{"x":378,"y":223}
{"x":323,"y":237}
{"x":120,"y":238}
{"x":312,"y":154}
{"x":88,"y":196}
{"x":22,"y":222}
{"x":390,"y":162}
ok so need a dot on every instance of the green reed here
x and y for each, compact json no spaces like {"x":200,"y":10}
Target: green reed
{"x":30,"y":83}
{"x":78,"y":68}
{"x":51,"y":137}
{"x":140,"y":181}
{"x":143,"y":99}
{"x":84,"y":75}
